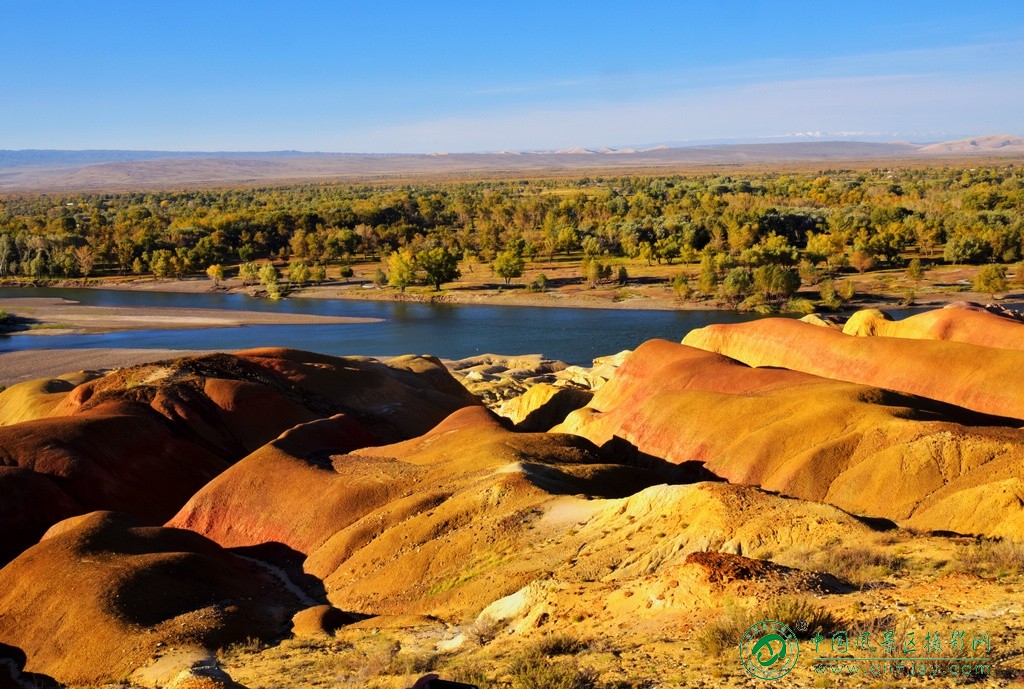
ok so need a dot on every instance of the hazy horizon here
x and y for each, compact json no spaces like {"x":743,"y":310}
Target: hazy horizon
{"x":399,"y":77}
{"x":809,"y":137}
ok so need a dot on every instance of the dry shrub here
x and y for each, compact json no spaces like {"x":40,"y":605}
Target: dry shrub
{"x":991,"y":558}
{"x":859,"y":566}
{"x":559,"y":644}
{"x":483,"y":630}
{"x":470,"y":673}
{"x":725,"y":632}
{"x":412,"y":663}
{"x":801,"y":615}
{"x":531,"y":670}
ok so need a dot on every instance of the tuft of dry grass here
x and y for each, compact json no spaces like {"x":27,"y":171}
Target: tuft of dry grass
{"x":990,"y":558}
{"x":532,"y":670}
{"x":800,"y":614}
{"x":860,"y":566}
{"x":558,"y":644}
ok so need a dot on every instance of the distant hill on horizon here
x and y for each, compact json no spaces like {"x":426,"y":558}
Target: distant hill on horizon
{"x":91,"y":170}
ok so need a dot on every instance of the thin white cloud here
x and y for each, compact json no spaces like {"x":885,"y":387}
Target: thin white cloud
{"x":965,"y":104}
{"x":977,"y":58}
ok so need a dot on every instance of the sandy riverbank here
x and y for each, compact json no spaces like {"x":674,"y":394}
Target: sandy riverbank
{"x":29,"y":364}
{"x":52,"y":315}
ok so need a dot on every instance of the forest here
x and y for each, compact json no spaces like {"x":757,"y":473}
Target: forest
{"x":756,"y":236}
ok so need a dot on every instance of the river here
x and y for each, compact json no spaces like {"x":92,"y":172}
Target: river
{"x":446,"y":330}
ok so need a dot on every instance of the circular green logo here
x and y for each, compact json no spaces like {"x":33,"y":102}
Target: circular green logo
{"x":769,"y":650}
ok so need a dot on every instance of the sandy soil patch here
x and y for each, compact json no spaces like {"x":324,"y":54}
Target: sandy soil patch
{"x":42,"y":315}
{"x":29,"y":364}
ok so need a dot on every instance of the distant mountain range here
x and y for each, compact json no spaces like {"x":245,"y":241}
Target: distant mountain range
{"x":53,"y":170}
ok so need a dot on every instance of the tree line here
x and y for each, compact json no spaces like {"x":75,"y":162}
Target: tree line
{"x":769,"y":230}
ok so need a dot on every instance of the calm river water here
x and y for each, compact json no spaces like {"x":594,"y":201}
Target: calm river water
{"x":444,"y":330}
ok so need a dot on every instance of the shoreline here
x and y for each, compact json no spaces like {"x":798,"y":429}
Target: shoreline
{"x":641,"y":297}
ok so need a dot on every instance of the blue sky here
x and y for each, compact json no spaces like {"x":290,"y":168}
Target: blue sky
{"x":483,"y":76}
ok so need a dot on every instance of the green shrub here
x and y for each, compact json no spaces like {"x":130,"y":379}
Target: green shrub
{"x":804,"y":306}
{"x":991,"y":279}
{"x":681,"y":286}
{"x":846,"y":291}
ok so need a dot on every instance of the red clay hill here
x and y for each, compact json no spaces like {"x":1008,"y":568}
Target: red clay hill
{"x":101,"y":594}
{"x":971,"y":376}
{"x":143,"y":440}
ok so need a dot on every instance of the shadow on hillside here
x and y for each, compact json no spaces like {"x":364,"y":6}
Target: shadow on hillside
{"x":620,"y":451}
{"x":289,"y":561}
{"x":12,"y":661}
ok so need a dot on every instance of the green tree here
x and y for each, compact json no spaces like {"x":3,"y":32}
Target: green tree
{"x":318,"y":274}
{"x":776,"y":282}
{"x":829,"y":297}
{"x":594,"y":271}
{"x":963,"y":247}
{"x":915,"y":271}
{"x":6,"y":251}
{"x":268,"y":275}
{"x":508,"y":265}
{"x":773,"y":249}
{"x":667,"y":248}
{"x":992,"y":279}
{"x":681,"y":286}
{"x":736,"y":285}
{"x":707,"y":279}
{"x":216,"y":273}
{"x":298,"y":273}
{"x":568,"y":239}
{"x":160,"y":263}
{"x":440,"y":265}
{"x":646,"y":252}
{"x":249,"y":273}
{"x":592,"y":247}
{"x":401,"y":268}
